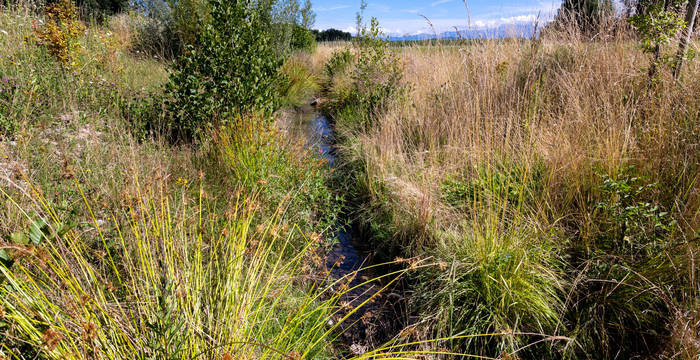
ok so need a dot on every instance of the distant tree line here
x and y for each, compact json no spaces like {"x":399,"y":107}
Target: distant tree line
{"x":332,"y":35}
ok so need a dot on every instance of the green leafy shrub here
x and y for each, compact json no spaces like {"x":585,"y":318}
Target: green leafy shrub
{"x":60,"y":34}
{"x":303,"y":39}
{"x":628,"y":224}
{"x":657,"y":26}
{"x":378,"y":72}
{"x":231,"y":71}
{"x":339,"y":61}
{"x":366,"y":77}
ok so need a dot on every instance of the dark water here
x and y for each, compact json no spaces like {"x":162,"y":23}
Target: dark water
{"x":344,"y":258}
{"x":376,"y":320}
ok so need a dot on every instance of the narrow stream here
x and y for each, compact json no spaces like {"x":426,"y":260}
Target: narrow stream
{"x":379,"y":319}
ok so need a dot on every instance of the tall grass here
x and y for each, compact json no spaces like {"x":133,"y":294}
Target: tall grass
{"x":177,"y":284}
{"x":116,"y":244}
{"x":491,"y":165}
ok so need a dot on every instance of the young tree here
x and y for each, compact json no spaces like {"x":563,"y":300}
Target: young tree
{"x":232,"y":71}
{"x":308,"y":17}
{"x":657,"y":23}
{"x":291,"y":24}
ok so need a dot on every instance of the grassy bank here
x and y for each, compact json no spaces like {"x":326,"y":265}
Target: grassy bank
{"x":553,"y":188}
{"x":117,"y":242}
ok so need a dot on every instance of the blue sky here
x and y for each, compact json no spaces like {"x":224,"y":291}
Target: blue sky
{"x":400,"y":17}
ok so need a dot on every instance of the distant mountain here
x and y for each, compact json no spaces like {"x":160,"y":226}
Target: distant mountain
{"x":499,"y":32}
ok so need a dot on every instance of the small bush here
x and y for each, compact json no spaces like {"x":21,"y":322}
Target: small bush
{"x":624,"y":277}
{"x":339,"y":61}
{"x":368,"y":79}
{"x":60,"y":34}
{"x":303,"y":39}
{"x":231,"y":71}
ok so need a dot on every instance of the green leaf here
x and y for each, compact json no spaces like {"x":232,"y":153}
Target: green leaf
{"x":37,"y":230}
{"x":66,"y":227}
{"x":19,"y":238}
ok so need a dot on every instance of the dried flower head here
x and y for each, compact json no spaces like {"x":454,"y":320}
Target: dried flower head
{"x":50,"y":339}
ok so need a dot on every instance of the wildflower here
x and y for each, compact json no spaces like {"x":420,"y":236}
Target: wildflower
{"x":50,"y":338}
{"x":294,"y":355}
{"x":89,"y":331}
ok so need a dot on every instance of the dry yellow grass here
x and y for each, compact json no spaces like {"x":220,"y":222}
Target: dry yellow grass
{"x":574,"y":105}
{"x":562,"y":109}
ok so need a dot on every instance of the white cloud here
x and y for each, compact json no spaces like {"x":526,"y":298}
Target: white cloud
{"x":494,"y":17}
{"x":337,"y":7}
{"x":439,"y":2}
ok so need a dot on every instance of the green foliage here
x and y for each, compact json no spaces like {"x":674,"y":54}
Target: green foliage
{"x":629,"y":224}
{"x":378,"y":72}
{"x":297,"y":83}
{"x":232,"y":70}
{"x":657,"y":26}
{"x":332,"y":35}
{"x":366,"y":77}
{"x":291,"y":26}
{"x":303,"y":39}
{"x":623,"y":279}
{"x":339,"y":62}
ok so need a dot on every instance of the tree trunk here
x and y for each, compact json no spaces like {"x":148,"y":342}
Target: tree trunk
{"x":690,"y":16}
